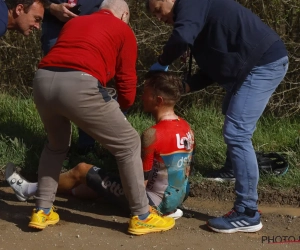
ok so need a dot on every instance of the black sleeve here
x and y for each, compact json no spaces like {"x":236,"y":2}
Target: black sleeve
{"x":2,"y":28}
{"x":199,"y":81}
{"x":190,"y":17}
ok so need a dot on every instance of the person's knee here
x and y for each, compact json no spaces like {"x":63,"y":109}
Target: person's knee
{"x":135,"y":140}
{"x":80,"y":171}
{"x":129,"y":149}
{"x":133,"y":143}
{"x":235,"y":133}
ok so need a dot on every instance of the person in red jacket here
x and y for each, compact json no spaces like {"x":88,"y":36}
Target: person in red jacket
{"x":69,"y":86}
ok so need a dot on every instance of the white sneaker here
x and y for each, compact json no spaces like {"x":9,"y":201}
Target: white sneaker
{"x":176,"y":215}
{"x":16,"y":181}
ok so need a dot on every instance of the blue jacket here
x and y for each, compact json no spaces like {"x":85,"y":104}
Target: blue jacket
{"x":87,"y":7}
{"x":51,"y":26}
{"x":226,"y":39}
{"x":3,"y":17}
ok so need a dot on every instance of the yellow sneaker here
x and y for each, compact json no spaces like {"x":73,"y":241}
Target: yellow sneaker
{"x":40,"y":220}
{"x":154,"y":223}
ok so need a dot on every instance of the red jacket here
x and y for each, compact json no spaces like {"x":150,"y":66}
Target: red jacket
{"x":101,"y":45}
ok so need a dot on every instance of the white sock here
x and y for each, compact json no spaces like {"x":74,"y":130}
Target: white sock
{"x":31,"y":189}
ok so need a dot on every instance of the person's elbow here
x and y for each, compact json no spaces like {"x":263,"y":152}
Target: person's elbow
{"x":125,"y":104}
{"x":126,"y":98}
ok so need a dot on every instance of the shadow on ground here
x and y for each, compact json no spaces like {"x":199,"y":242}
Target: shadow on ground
{"x":71,"y":211}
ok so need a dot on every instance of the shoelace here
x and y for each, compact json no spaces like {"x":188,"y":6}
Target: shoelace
{"x":153,"y":209}
{"x":233,"y":211}
{"x":53,"y":208}
{"x":230,"y":213}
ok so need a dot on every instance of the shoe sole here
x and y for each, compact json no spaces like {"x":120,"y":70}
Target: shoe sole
{"x":251,"y":229}
{"x":221,"y":179}
{"x":175,"y":215}
{"x":39,"y":226}
{"x":146,"y":230}
{"x":20,"y":198}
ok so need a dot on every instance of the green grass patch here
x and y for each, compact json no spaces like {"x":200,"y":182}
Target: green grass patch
{"x":22,"y":138}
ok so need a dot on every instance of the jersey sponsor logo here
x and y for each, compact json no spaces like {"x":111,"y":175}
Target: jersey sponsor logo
{"x":144,"y":224}
{"x":185,"y":142}
{"x":96,"y":169}
{"x":151,"y":182}
{"x":184,"y":161}
{"x":113,"y":187}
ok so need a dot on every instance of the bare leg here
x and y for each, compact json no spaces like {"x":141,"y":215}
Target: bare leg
{"x":74,"y":180}
{"x":84,"y":192}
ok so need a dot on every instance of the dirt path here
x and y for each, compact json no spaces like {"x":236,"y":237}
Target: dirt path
{"x":98,"y":225}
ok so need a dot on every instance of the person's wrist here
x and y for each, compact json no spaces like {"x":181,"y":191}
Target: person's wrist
{"x":158,"y":67}
{"x":161,"y":62}
{"x":52,"y":8}
{"x":187,"y":88}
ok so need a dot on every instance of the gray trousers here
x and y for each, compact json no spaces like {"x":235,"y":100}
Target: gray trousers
{"x":65,"y":96}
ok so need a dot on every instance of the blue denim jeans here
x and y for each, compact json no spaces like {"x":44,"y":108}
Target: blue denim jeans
{"x":244,"y":109}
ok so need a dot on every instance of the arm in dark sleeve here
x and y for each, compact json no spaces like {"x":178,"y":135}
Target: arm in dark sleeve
{"x":189,"y":17}
{"x":2,"y":28}
{"x":89,"y":6}
{"x":126,"y":72}
{"x":199,"y":81}
{"x":3,"y":17}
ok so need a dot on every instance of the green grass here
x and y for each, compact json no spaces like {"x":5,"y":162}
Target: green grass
{"x":22,"y":138}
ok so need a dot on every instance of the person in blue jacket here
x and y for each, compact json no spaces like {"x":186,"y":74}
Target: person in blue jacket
{"x":234,"y":48}
{"x":21,"y":15}
{"x":56,"y":15}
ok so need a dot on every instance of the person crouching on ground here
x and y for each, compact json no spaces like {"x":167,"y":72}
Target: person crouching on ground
{"x":167,"y":151}
{"x":69,"y":86}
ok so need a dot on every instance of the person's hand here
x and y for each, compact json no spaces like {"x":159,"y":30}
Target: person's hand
{"x":187,"y":88}
{"x":158,"y":67}
{"x":61,"y":11}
